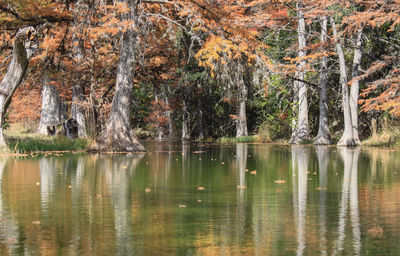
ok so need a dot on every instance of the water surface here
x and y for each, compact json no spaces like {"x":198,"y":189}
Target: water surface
{"x":199,"y":199}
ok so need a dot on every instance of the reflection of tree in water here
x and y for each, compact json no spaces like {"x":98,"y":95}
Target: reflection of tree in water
{"x":48,"y":176}
{"x":349,"y":196}
{"x":241,"y":160}
{"x":9,"y":234}
{"x":322,"y":155}
{"x":300,"y":157}
{"x":119,"y":172}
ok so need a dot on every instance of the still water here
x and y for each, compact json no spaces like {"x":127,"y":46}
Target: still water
{"x":196,"y":199}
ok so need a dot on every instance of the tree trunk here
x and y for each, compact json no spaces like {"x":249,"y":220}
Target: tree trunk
{"x":241,"y":126}
{"x":92,"y":127}
{"x":51,"y":107}
{"x":347,"y":138}
{"x":118,"y":135}
{"x":355,"y":84}
{"x":201,"y":113}
{"x":160,"y":133}
{"x":302,"y":131}
{"x":241,"y":123}
{"x":15,"y":73}
{"x":168,"y":113}
{"x":185,"y":121}
{"x":77,"y":111}
{"x":323,"y":137}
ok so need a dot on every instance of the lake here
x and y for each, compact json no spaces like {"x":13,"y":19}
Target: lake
{"x":203,"y":199}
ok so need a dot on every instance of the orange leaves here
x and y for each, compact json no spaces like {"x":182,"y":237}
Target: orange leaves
{"x":51,"y":43}
{"x":219,"y":51}
{"x":158,"y":61}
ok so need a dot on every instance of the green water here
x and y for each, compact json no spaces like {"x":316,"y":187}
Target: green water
{"x":199,"y":199}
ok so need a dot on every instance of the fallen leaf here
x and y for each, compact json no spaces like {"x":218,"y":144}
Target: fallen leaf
{"x":201,"y":188}
{"x":147,"y":190}
{"x":182,"y":205}
{"x":253,"y":172}
{"x":280,"y":181}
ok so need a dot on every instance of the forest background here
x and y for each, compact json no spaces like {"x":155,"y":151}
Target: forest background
{"x":295,"y":71}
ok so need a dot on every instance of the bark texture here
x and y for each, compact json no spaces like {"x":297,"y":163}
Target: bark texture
{"x":50,"y":114}
{"x":355,"y":84}
{"x":160,"y":132}
{"x":302,"y":131}
{"x":241,"y":122}
{"x":348,"y":138}
{"x":185,"y":121}
{"x":22,"y":51}
{"x":77,"y":111}
{"x":118,"y":135}
{"x":241,"y":126}
{"x":323,"y":137}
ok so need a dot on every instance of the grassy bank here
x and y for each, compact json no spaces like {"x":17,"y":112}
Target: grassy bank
{"x":22,"y":139}
{"x":32,"y":144}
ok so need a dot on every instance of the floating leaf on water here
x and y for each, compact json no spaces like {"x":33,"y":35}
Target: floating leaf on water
{"x":147,"y":190}
{"x":280,"y":181}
